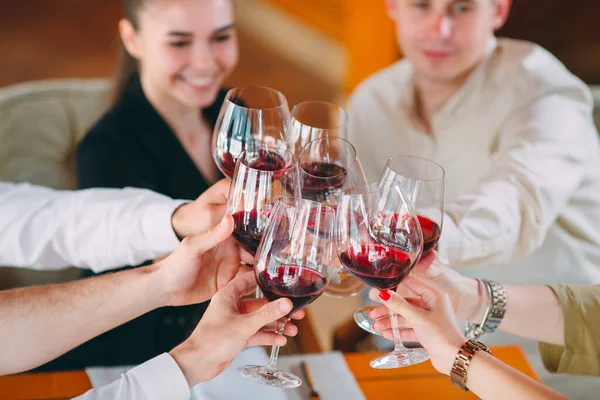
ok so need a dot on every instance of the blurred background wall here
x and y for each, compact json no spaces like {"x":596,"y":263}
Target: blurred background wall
{"x":42,"y":39}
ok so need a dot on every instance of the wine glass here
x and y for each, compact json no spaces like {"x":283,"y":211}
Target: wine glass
{"x":422,"y":181}
{"x":312,"y":120}
{"x":327,"y":166}
{"x":379,"y":242}
{"x":255,"y":188}
{"x":249,"y":115}
{"x":294,"y":261}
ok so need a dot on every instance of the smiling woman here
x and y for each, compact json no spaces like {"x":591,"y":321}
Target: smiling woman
{"x":157,"y":136}
{"x":184,"y":48}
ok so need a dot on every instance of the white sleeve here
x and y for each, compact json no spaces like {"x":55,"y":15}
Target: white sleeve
{"x":96,"y":228}
{"x":157,"y":379}
{"x":542,"y":158}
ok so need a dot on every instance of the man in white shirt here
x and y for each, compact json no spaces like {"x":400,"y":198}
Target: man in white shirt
{"x":38,"y":324}
{"x":99,"y":229}
{"x":511,"y":126}
{"x":513,"y":129}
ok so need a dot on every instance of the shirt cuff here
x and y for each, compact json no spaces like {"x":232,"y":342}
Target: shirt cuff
{"x":161,"y":378}
{"x":157,"y":226}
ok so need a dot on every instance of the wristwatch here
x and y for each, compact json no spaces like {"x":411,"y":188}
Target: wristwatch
{"x":493,"y":313}
{"x":458,"y":373}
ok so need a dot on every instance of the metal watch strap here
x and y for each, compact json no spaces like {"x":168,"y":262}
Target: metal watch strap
{"x":493,"y":314}
{"x":458,"y":373}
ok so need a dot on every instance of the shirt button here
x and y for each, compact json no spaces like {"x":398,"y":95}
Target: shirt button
{"x":181,"y":321}
{"x":168,"y":321}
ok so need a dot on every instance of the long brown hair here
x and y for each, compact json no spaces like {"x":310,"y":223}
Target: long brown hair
{"x":128,"y":65}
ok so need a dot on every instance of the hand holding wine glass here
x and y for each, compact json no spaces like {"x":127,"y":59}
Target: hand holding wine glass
{"x":430,"y":320}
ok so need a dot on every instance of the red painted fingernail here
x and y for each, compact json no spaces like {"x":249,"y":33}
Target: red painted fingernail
{"x":385,"y":295}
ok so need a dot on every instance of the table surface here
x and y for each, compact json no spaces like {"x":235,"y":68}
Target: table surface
{"x":420,"y":381}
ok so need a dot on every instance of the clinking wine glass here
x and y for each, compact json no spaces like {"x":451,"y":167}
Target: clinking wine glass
{"x":312,"y":120}
{"x":294,"y":260}
{"x":379,"y":241}
{"x":328,"y":166}
{"x":256,"y":187}
{"x":250,"y":115}
{"x":422,"y":181}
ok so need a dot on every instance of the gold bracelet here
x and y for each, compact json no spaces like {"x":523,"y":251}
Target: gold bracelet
{"x":458,"y":373}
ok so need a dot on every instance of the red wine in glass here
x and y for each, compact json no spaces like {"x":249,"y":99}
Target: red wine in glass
{"x":248,"y":229}
{"x":320,"y":179}
{"x":389,"y":235}
{"x":266,"y":160}
{"x":292,"y":263}
{"x":225,"y":162}
{"x":301,"y":285}
{"x":255,"y":187}
{"x":431,"y":233}
{"x":249,"y":115}
{"x":379,"y":266}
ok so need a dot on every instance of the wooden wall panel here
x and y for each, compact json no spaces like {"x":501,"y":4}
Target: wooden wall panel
{"x":361,"y":26}
{"x":569,"y":29}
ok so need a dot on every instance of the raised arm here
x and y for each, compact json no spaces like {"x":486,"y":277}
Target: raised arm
{"x":542,"y":156}
{"x":42,"y":228}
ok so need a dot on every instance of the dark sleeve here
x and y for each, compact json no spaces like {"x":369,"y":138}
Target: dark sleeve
{"x":107,"y":161}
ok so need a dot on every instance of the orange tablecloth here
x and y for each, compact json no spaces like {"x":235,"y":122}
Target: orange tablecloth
{"x":420,"y":381}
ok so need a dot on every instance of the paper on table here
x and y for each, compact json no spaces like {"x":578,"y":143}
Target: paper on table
{"x":331,"y":375}
{"x":332,"y":378}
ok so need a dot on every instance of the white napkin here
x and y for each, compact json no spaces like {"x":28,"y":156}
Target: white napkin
{"x":331,"y":378}
{"x":102,"y":376}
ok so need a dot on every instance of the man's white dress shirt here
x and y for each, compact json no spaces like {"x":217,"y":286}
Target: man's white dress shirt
{"x":522,"y":161}
{"x":100,"y":229}
{"x":156,"y":379}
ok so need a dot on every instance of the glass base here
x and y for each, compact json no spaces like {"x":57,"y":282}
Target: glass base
{"x":399,"y":359}
{"x":269,"y":376}
{"x":362,"y":319}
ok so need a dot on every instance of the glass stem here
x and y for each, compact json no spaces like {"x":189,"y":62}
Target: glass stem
{"x":275,"y":349}
{"x":258,"y":294}
{"x":398,"y":346}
